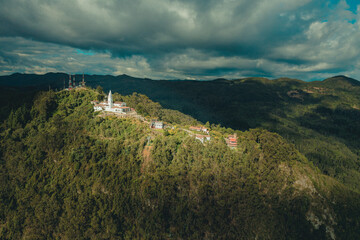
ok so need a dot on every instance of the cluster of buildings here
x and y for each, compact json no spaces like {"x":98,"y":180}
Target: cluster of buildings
{"x":120,"y":107}
{"x":231,"y":140}
{"x":111,"y":106}
{"x":72,"y":83}
{"x":200,"y":137}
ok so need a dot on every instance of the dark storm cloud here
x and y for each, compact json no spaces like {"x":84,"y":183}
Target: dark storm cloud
{"x":146,"y":27}
{"x":176,"y":39}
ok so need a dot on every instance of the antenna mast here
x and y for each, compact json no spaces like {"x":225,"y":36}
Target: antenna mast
{"x":83,"y":81}
{"x":70,"y":85}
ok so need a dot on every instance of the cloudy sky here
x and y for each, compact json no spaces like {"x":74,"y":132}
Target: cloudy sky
{"x":184,"y":39}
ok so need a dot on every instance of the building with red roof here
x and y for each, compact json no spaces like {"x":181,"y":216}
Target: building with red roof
{"x":231,"y":141}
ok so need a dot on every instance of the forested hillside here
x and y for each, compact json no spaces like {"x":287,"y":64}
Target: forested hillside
{"x":68,"y":173}
{"x":320,"y":118}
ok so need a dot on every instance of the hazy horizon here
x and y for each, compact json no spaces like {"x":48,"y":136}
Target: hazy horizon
{"x":154,"y":79}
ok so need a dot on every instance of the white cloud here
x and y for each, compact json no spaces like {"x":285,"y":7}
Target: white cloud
{"x":317,"y":30}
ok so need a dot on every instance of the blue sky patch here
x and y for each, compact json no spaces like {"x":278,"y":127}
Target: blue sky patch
{"x":352,"y":4}
{"x":89,"y":52}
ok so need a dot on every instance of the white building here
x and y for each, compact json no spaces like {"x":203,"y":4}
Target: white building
{"x":205,"y":130}
{"x":203,"y":138}
{"x":100,"y":107}
{"x":199,"y":129}
{"x":157,"y":125}
{"x":111,"y":106}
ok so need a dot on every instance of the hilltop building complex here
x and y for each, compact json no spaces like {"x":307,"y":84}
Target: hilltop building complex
{"x":111,"y":106}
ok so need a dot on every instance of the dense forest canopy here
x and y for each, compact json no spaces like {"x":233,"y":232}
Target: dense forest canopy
{"x":69,"y":173}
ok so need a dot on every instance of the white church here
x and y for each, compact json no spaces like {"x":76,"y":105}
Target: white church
{"x":110,"y":106}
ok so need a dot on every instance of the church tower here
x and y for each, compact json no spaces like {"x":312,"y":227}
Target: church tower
{"x":110,"y":100}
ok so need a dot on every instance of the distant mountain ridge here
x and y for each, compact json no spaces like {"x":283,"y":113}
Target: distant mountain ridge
{"x":17,"y":79}
{"x":340,"y":80}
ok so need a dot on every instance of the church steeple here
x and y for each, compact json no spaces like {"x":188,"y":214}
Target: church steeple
{"x":110,"y":100}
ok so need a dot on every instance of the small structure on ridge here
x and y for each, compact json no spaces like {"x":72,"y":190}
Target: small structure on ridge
{"x":203,"y":138}
{"x":157,"y":124}
{"x":231,"y":141}
{"x":72,"y":83}
{"x":199,"y":129}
